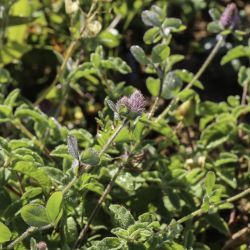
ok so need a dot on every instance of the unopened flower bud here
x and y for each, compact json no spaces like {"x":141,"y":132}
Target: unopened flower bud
{"x":41,"y":245}
{"x":230,"y":16}
{"x":71,"y":7}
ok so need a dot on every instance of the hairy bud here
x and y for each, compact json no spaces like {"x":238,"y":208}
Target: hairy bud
{"x":230,"y":16}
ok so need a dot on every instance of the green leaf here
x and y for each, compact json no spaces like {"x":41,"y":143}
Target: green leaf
{"x":54,"y":207}
{"x":173,"y":24}
{"x":209,"y":183}
{"x":153,"y":85}
{"x":73,"y":146}
{"x":112,"y":106}
{"x":139,"y":54}
{"x":173,"y":59}
{"x":152,"y":35}
{"x":218,"y":223}
{"x":5,"y":113}
{"x":31,"y":192}
{"x":4,"y":76}
{"x":171,"y":85}
{"x":34,"y":115}
{"x":150,"y":18}
{"x":160,"y":53}
{"x":35,"y":215}
{"x":187,"y":77}
{"x":214,"y":27}
{"x":13,"y":50}
{"x":5,"y":233}
{"x":121,"y":216}
{"x":109,"y":39}
{"x":109,"y":243}
{"x":227,"y":175}
{"x":244,"y":76}
{"x":61,"y":151}
{"x":38,"y":174}
{"x":90,"y":157}
{"x":11,"y":98}
{"x":116,"y":64}
{"x":239,"y":51}
{"x":33,"y":244}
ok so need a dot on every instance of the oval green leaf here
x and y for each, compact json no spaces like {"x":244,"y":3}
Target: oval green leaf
{"x":209,"y":182}
{"x":35,"y":215}
{"x":54,"y":207}
{"x":160,"y":53}
{"x":139,"y":54}
{"x":5,"y":233}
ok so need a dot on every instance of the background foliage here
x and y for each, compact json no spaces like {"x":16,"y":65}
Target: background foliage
{"x":79,"y":171}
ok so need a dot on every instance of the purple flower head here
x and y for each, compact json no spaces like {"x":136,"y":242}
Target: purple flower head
{"x":135,"y":103}
{"x":230,"y":16}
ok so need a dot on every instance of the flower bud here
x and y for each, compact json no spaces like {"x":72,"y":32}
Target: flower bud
{"x":41,"y":245}
{"x":230,"y":16}
{"x":71,"y":7}
{"x":92,"y":29}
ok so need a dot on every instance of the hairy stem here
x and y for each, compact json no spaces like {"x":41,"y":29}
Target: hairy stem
{"x":105,"y":147}
{"x":112,"y":138}
{"x":27,"y":233}
{"x":97,"y":207}
{"x":69,"y":185}
{"x":195,"y":78}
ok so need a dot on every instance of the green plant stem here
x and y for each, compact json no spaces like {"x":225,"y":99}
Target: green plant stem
{"x":157,"y":99}
{"x":244,"y":94}
{"x":30,"y":230}
{"x":112,"y":138}
{"x":27,"y":233}
{"x":16,"y":123}
{"x":69,"y":52}
{"x":105,"y":147}
{"x":195,"y":78}
{"x":98,"y":205}
{"x":200,"y":211}
{"x":69,"y":185}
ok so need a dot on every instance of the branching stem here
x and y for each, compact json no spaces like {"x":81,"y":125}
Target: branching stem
{"x":201,"y":211}
{"x":84,"y":231}
{"x":69,"y":52}
{"x":112,"y":138}
{"x":27,"y":233}
{"x":195,"y":78}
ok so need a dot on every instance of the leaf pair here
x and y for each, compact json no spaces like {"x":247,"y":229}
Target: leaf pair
{"x":38,"y":216}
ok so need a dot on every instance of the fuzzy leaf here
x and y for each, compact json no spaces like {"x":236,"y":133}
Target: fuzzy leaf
{"x":73,"y":146}
{"x":35,"y":215}
{"x":122,"y":217}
